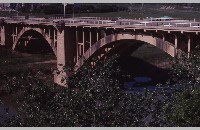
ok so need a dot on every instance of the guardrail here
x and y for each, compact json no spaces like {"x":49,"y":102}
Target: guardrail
{"x":123,"y":22}
{"x":100,"y":18}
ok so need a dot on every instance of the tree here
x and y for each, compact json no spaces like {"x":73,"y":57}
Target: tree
{"x":95,"y":98}
{"x":183,"y":106}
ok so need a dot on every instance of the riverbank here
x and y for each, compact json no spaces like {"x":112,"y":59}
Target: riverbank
{"x":14,"y":64}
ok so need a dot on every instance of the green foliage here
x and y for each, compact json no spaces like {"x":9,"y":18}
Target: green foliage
{"x":95,"y":98}
{"x":185,"y":109}
{"x":186,"y":69}
{"x":183,"y":106}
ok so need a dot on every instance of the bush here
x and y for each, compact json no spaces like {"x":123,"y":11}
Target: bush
{"x":184,"y":110}
{"x":96,"y":98}
{"x":183,"y":106}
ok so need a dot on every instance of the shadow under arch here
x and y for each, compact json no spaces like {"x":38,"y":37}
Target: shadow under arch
{"x":132,"y":64}
{"x":120,"y":47}
{"x":167,"y":47}
{"x":133,"y":58}
{"x":34,"y":33}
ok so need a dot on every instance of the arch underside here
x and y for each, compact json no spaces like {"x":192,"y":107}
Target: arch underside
{"x":37,"y":30}
{"x":166,"y":46}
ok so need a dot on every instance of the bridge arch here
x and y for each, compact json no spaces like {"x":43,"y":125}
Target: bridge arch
{"x":36,"y":30}
{"x":166,"y":46}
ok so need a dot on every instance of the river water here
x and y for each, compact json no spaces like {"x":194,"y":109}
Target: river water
{"x":142,"y":65}
{"x":137,"y":84}
{"x":6,"y":112}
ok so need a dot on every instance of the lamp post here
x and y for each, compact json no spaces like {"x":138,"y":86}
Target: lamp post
{"x":64,"y":8}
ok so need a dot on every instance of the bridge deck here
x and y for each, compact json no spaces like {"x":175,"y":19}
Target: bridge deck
{"x":130,"y":24}
{"x":173,"y":25}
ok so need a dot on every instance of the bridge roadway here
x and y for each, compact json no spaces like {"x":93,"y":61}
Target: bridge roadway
{"x":75,"y":40}
{"x":172,"y":25}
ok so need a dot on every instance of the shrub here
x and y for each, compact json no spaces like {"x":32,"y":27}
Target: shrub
{"x":182,"y":107}
{"x":95,"y":98}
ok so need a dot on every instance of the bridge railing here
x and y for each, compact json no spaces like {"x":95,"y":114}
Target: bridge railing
{"x":56,"y":17}
{"x":40,"y":20}
{"x":100,"y":18}
{"x":132,"y":22}
{"x":112,"y":21}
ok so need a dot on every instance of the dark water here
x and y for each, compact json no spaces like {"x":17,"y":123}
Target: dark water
{"x":6,"y":112}
{"x":144,"y":74}
{"x":138,"y":84}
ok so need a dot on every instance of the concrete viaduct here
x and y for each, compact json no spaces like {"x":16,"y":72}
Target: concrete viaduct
{"x":75,"y":40}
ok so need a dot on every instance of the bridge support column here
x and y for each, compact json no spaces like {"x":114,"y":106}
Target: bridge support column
{"x":58,"y":77}
{"x":97,"y":35}
{"x":80,"y":43}
{"x":77,"y":46}
{"x":14,"y":33}
{"x":54,"y":38}
{"x":176,"y":45}
{"x":49,"y":32}
{"x":189,"y":42}
{"x":83,"y":42}
{"x":105,"y":33}
{"x":2,"y":35}
{"x":25,"y":43}
{"x":90,"y":40}
{"x":163,"y":37}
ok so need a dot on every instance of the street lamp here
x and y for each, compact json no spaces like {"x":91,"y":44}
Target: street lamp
{"x":64,"y":8}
